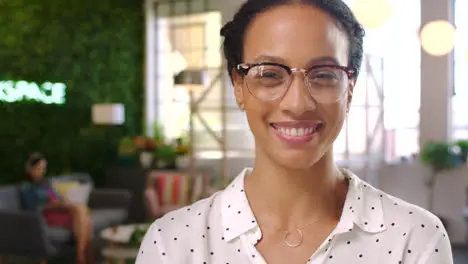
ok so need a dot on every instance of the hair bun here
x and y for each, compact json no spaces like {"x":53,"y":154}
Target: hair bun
{"x":226,"y":29}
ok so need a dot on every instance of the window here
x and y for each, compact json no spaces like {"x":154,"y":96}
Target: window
{"x":383,"y":121}
{"x":361,"y":136}
{"x":183,"y":36}
{"x":389,"y":85}
{"x":402,"y":79}
{"x":188,"y":43}
{"x":191,"y":43}
{"x":459,"y":105}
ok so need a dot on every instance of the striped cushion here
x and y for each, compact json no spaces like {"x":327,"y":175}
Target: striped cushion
{"x":177,"y":188}
{"x":172,"y":188}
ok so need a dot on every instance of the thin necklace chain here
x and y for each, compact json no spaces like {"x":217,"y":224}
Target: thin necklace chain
{"x":298,"y":230}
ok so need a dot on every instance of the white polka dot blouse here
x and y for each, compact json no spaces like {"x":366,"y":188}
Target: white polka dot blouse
{"x":374,"y":228}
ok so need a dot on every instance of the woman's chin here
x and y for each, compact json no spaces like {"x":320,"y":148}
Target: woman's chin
{"x":296,"y":160}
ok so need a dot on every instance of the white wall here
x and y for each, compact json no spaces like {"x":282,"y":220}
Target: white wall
{"x":436,"y":80}
{"x":227,"y":8}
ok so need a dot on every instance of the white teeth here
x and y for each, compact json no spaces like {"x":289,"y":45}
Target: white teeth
{"x":295,"y":132}
{"x":300,"y":131}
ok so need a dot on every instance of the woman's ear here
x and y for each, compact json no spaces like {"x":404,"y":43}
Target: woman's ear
{"x":352,"y":84}
{"x":238,"y":83}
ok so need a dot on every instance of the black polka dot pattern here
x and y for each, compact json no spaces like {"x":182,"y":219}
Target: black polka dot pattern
{"x":373,"y":226}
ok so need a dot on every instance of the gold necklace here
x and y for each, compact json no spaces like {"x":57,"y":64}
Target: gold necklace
{"x":298,"y":230}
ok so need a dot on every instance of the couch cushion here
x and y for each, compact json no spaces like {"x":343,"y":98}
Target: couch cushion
{"x":62,"y":187}
{"x":177,"y":188}
{"x":79,"y":177}
{"x":9,"y":199}
{"x":74,"y":191}
{"x":59,"y":236}
{"x":103,"y":218}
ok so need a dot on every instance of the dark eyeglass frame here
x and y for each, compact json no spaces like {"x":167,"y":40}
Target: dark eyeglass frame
{"x":244,"y":68}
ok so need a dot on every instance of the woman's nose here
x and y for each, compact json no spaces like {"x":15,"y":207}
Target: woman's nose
{"x":298,"y":99}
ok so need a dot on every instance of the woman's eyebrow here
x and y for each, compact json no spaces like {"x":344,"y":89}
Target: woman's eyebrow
{"x":269,"y":58}
{"x":325,"y":59}
{"x":314,"y":61}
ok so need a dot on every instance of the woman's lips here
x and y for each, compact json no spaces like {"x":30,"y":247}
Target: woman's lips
{"x":296,"y":132}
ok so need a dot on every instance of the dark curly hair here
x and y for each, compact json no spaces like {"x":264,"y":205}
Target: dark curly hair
{"x":234,"y":31}
{"x":33,"y":160}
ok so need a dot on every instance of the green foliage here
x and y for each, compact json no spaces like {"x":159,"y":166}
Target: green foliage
{"x":165,"y":152}
{"x":463,"y":145}
{"x":69,"y":146}
{"x":126,"y":146}
{"x":96,"y":49}
{"x":441,"y":156}
{"x":138,"y":235}
{"x":158,"y":133}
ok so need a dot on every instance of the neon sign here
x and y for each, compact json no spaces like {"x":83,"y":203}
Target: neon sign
{"x":47,"y":93}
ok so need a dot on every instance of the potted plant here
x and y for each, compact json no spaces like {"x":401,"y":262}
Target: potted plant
{"x":165,"y":156}
{"x":145,"y":147}
{"x":138,"y":235}
{"x":463,"y":145}
{"x":126,"y":151}
{"x":158,"y":133}
{"x":439,"y":156}
{"x":182,"y":152}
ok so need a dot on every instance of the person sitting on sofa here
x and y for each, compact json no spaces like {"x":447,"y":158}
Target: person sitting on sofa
{"x":37,"y":193}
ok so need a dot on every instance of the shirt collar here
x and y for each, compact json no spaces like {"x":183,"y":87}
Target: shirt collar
{"x":236,"y":214}
{"x":362,"y":208}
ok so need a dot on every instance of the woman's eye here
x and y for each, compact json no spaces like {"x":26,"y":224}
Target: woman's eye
{"x":324,"y":76}
{"x":272,"y":75}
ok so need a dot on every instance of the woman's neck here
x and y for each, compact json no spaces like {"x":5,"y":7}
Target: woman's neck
{"x":291,"y":198}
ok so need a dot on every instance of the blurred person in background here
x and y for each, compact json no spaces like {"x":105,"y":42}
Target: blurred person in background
{"x":38,"y":194}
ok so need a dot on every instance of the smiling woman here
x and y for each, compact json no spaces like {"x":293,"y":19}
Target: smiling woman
{"x":294,"y":66}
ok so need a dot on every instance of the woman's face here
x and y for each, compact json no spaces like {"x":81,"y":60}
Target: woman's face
{"x":298,"y":36}
{"x":37,"y":171}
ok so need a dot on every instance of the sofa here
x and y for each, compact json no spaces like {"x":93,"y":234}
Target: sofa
{"x":24,"y":233}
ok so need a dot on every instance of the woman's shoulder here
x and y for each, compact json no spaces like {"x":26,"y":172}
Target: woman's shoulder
{"x":415,"y":221}
{"x":28,"y":185}
{"x":408,"y":213}
{"x":187,"y":234}
{"x":25,"y":186}
{"x":188,"y":226}
{"x":195,"y":215}
{"x":199,"y":215}
{"x":384,"y":211}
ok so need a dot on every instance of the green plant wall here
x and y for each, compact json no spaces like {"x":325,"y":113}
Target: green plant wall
{"x":96,"y":49}
{"x":74,"y":146}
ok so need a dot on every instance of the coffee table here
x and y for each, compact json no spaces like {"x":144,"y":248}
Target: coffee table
{"x":118,"y":250}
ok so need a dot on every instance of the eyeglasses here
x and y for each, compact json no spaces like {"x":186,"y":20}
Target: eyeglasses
{"x":270,"y":81}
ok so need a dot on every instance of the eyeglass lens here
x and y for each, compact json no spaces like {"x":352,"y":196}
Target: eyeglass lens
{"x":269,"y":82}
